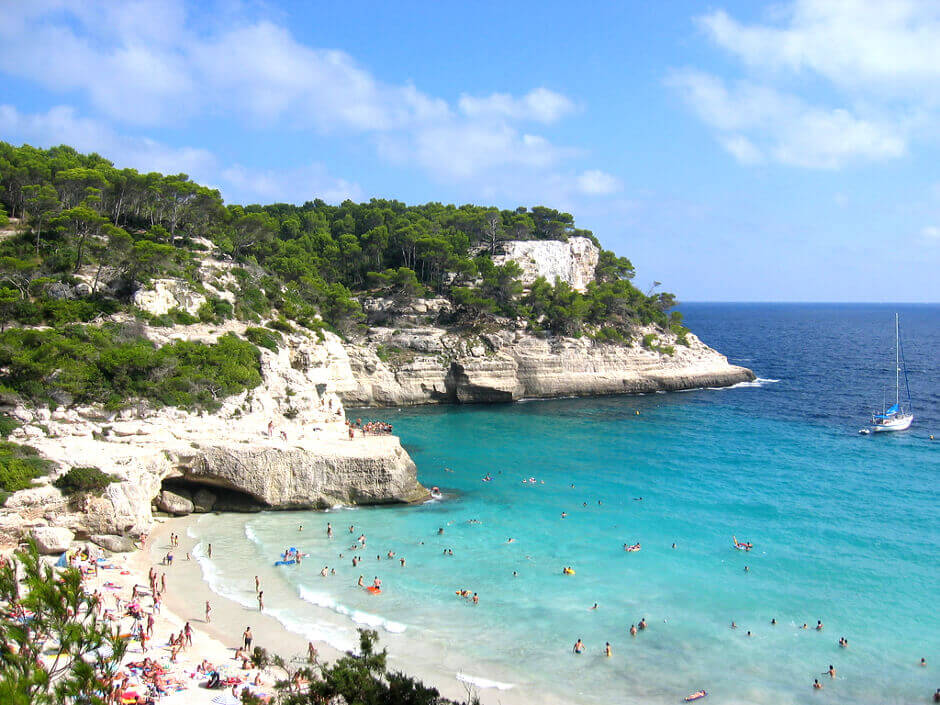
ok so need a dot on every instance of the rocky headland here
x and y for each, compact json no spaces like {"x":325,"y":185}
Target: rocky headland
{"x":285,"y":444}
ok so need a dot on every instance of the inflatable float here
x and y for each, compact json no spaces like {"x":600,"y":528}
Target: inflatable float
{"x":568,"y":571}
{"x":374,"y":590}
{"x":699,"y":694}
{"x":290,"y":562}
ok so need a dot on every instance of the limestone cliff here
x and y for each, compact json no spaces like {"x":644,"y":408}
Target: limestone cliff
{"x":179,"y":462}
{"x":426,"y":364}
{"x":572,"y":261}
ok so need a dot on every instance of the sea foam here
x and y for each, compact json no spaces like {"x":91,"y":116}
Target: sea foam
{"x":483,"y":682}
{"x":361,"y":618}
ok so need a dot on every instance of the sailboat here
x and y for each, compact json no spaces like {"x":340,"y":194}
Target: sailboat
{"x":895,"y":417}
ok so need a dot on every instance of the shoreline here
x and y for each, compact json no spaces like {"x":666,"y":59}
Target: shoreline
{"x":229,"y":619}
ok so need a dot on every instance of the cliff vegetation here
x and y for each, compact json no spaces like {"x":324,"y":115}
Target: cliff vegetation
{"x":85,"y":238}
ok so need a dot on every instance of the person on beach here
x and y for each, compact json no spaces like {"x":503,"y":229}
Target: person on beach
{"x":579,"y":646}
{"x":208,"y":612}
{"x":150,"y":621}
{"x":162,"y":582}
{"x":210,"y":551}
{"x":261,"y":600}
{"x":270,"y":428}
{"x":311,"y":652}
{"x":247,"y":638}
{"x":257,"y":584}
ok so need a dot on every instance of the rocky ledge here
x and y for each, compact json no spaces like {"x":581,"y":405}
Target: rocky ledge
{"x":283,"y":445}
{"x":407,"y":359}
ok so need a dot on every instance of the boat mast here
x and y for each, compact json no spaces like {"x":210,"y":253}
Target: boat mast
{"x":897,"y":360}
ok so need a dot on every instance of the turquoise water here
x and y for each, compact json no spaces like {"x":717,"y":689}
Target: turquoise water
{"x":844,"y":528}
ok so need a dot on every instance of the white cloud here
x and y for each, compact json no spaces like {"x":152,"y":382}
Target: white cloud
{"x":288,"y":185}
{"x":742,"y":149}
{"x":541,"y":105}
{"x":893,"y":45}
{"x":754,"y":120}
{"x":830,"y":83}
{"x":60,"y":125}
{"x":144,"y":63}
{"x":931,"y":233}
{"x":594,"y":182}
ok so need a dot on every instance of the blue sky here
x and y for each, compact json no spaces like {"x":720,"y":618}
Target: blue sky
{"x":734,"y":151}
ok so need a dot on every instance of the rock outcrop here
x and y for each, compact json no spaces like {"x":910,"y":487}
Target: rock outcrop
{"x":283,"y":445}
{"x":572,"y":261}
{"x":50,"y":539}
{"x":434,"y":365}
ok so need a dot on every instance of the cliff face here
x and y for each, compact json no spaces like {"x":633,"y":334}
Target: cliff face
{"x":180,"y":462}
{"x":435,"y":366}
{"x":572,"y":261}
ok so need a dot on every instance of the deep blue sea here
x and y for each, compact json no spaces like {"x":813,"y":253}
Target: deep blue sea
{"x":845,"y":530}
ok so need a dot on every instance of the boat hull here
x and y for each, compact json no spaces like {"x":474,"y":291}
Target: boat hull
{"x":901,"y":423}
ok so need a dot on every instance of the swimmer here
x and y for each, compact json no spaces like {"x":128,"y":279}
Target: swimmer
{"x":632,"y":630}
{"x":564,"y":515}
{"x":748,"y":633}
{"x":402,"y":561}
{"x":804,"y":626}
{"x":831,"y":671}
{"x":642,"y":624}
{"x":819,"y":625}
{"x":746,"y":569}
{"x":440,"y":531}
{"x":595,"y":606}
{"x":579,"y":646}
{"x":510,"y":540}
{"x":360,"y":583}
{"x":816,"y":684}
{"x":515,"y":574}
{"x":673,"y":545}
{"x":773,"y":620}
{"x":476,"y":599}
{"x":300,"y":528}
{"x":733,"y":625}
{"x":923,"y":662}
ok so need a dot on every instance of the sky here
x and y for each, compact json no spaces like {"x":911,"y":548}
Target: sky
{"x":735,"y":151}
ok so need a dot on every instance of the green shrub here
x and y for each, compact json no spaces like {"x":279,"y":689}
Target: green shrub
{"x":7,"y":424}
{"x":111,"y":365}
{"x":648,"y":341}
{"x":215,"y":311}
{"x":19,"y":465}
{"x":281,"y":324}
{"x":265,"y":338}
{"x":609,"y":334}
{"x":84,"y":479}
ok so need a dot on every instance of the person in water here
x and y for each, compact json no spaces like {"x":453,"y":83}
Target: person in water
{"x":819,"y":625}
{"x":632,"y":630}
{"x":579,"y":646}
{"x":642,"y":624}
{"x":816,"y":684}
{"x":607,"y":649}
{"x":376,"y":583}
{"x":360,"y":583}
{"x":831,"y":671}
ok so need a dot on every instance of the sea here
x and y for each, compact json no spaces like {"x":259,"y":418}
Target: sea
{"x":845,"y":530}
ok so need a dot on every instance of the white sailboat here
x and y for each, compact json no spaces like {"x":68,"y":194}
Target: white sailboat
{"x":895,"y":417}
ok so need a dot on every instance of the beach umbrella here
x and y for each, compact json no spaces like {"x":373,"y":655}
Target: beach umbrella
{"x":226,"y":699}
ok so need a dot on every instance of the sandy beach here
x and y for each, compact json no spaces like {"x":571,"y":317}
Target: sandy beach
{"x":185,"y":598}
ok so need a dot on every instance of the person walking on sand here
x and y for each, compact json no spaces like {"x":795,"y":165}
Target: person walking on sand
{"x":257,"y":584}
{"x":247,"y":638}
{"x":311,"y":652}
{"x":210,"y":550}
{"x":208,"y":612}
{"x":261,"y":600}
{"x":188,"y":631}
